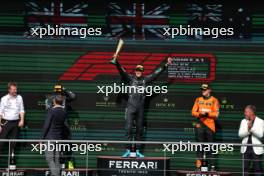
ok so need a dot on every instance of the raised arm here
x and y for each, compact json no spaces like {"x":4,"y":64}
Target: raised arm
{"x":158,"y":71}
{"x":70,"y":96}
{"x":122,"y":72}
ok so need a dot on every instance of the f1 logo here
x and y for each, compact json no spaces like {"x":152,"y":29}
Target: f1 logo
{"x":94,"y":64}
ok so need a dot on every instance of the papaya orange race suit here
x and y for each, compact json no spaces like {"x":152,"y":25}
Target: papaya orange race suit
{"x":206,"y":110}
{"x":210,"y":106}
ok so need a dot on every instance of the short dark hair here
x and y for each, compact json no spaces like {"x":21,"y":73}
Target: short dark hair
{"x":252,"y":107}
{"x":11,"y":84}
{"x":59,"y":99}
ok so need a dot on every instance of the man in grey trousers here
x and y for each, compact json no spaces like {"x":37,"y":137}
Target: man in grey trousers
{"x":53,"y":130}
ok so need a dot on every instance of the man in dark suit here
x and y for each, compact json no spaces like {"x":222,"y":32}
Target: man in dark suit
{"x":53,"y":130}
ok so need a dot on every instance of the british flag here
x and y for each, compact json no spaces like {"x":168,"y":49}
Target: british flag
{"x":41,"y":13}
{"x":206,"y":11}
{"x":137,"y":20}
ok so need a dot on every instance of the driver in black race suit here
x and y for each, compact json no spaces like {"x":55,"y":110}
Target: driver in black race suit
{"x":135,"y":104}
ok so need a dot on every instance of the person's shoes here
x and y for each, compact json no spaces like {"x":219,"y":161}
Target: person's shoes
{"x":139,"y":155}
{"x":126,"y":154}
{"x":70,"y":165}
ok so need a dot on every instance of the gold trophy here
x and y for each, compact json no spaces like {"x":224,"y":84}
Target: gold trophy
{"x":118,"y":49}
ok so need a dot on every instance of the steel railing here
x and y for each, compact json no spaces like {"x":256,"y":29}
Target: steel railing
{"x":159,"y":143}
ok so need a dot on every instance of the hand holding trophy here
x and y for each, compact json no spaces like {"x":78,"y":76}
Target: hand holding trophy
{"x":118,"y":49}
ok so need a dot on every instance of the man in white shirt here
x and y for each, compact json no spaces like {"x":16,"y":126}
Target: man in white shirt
{"x":251,"y":131}
{"x":11,"y":115}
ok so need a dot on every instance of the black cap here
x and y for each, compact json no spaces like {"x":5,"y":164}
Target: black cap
{"x":139,"y":68}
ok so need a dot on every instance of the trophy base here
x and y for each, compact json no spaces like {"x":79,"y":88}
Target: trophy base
{"x":113,"y":61}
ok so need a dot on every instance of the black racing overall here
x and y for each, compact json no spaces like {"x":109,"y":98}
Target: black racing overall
{"x":136,"y":102}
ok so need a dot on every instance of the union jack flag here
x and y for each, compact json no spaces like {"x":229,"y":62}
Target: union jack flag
{"x":137,"y":20}
{"x":41,"y":13}
{"x":206,"y":11}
